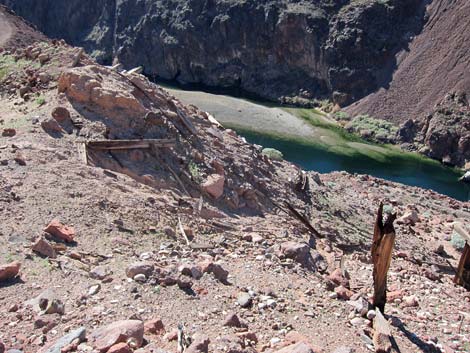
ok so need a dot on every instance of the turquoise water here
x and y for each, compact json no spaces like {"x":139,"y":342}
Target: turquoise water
{"x":401,"y":168}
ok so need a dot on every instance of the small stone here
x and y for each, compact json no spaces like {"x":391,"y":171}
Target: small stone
{"x":200,"y":344}
{"x":60,"y":231}
{"x":371,"y":314}
{"x":100,"y":272}
{"x":60,"y":114}
{"x":410,"y":301}
{"x":214,"y":185}
{"x":343,"y":293}
{"x":94,"y":289}
{"x":244,"y":299}
{"x":232,"y":320}
{"x":78,"y":335}
{"x":9,"y":271}
{"x":137,"y":268}
{"x":120,"y":348}
{"x":140,"y":278}
{"x":43,"y":58}
{"x":8,"y":132}
{"x":43,"y":247}
{"x":154,"y":326}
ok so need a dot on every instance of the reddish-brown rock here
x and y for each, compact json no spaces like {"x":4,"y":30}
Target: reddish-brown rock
{"x":120,"y":348}
{"x":154,"y":326}
{"x":9,"y":271}
{"x":8,"y":132}
{"x":42,"y":247}
{"x":214,"y":185}
{"x":105,"y":337}
{"x":60,"y":231}
{"x":60,"y":114}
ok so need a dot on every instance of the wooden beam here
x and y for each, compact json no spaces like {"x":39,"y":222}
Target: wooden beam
{"x":382,"y":334}
{"x":129,"y":144}
{"x":382,"y":246}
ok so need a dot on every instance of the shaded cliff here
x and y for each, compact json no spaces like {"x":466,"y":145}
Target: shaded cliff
{"x":274,"y":49}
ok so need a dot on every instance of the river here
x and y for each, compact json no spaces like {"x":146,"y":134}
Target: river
{"x":314,"y":147}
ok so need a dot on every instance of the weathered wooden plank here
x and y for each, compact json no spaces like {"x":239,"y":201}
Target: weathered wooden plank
{"x":129,"y":144}
{"x":382,"y":334}
{"x":382,"y":246}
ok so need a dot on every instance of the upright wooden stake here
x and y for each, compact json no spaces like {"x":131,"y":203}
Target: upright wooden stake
{"x":462,"y":277}
{"x":382,"y":246}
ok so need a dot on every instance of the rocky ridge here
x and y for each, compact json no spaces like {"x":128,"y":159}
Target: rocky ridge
{"x":281,"y":50}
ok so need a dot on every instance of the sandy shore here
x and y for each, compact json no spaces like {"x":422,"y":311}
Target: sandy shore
{"x":244,"y":114}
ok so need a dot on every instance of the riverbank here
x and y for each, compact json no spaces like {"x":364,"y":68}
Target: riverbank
{"x":310,"y":139}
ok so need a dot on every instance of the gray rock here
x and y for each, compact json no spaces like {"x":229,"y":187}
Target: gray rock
{"x":79,"y":333}
{"x":244,"y":299}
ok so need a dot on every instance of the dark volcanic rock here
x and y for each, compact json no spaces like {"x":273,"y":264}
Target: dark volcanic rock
{"x":287,"y":50}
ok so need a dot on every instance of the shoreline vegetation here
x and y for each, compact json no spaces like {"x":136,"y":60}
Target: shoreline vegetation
{"x":306,"y":126}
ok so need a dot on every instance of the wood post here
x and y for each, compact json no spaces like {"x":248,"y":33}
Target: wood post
{"x":462,"y":277}
{"x":382,"y":246}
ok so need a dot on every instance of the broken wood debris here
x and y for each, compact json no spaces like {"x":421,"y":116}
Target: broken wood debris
{"x":183,"y":233}
{"x":129,"y":144}
{"x":382,"y":246}
{"x":382,"y":334}
{"x":301,"y":218}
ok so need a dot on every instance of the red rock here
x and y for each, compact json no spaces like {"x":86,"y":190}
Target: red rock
{"x":391,"y":296}
{"x":9,"y":271}
{"x":42,"y":246}
{"x":60,"y":231}
{"x":105,"y":337}
{"x":214,"y":185}
{"x":51,"y":126}
{"x":200,"y":344}
{"x":2,"y":347}
{"x":343,"y":293}
{"x":137,"y":268}
{"x":8,"y":132}
{"x":60,"y":114}
{"x":300,"y":347}
{"x":154,"y":326}
{"x":171,"y":336}
{"x":217,"y":270}
{"x":296,"y":251}
{"x":337,"y":278}
{"x":120,"y":348}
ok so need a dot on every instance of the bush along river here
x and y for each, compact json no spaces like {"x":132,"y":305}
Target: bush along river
{"x":309,"y":139}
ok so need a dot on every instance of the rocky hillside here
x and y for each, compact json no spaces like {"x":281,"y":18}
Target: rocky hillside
{"x":282,"y":50}
{"x":430,"y":88}
{"x":134,"y":223}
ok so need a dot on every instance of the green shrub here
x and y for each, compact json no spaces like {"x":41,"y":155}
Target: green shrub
{"x":272,"y":154}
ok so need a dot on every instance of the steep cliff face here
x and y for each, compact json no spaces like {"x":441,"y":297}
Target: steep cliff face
{"x":430,"y":88}
{"x":275,"y":49}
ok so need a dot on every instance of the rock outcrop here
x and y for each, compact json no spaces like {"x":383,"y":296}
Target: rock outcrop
{"x":274,"y":49}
